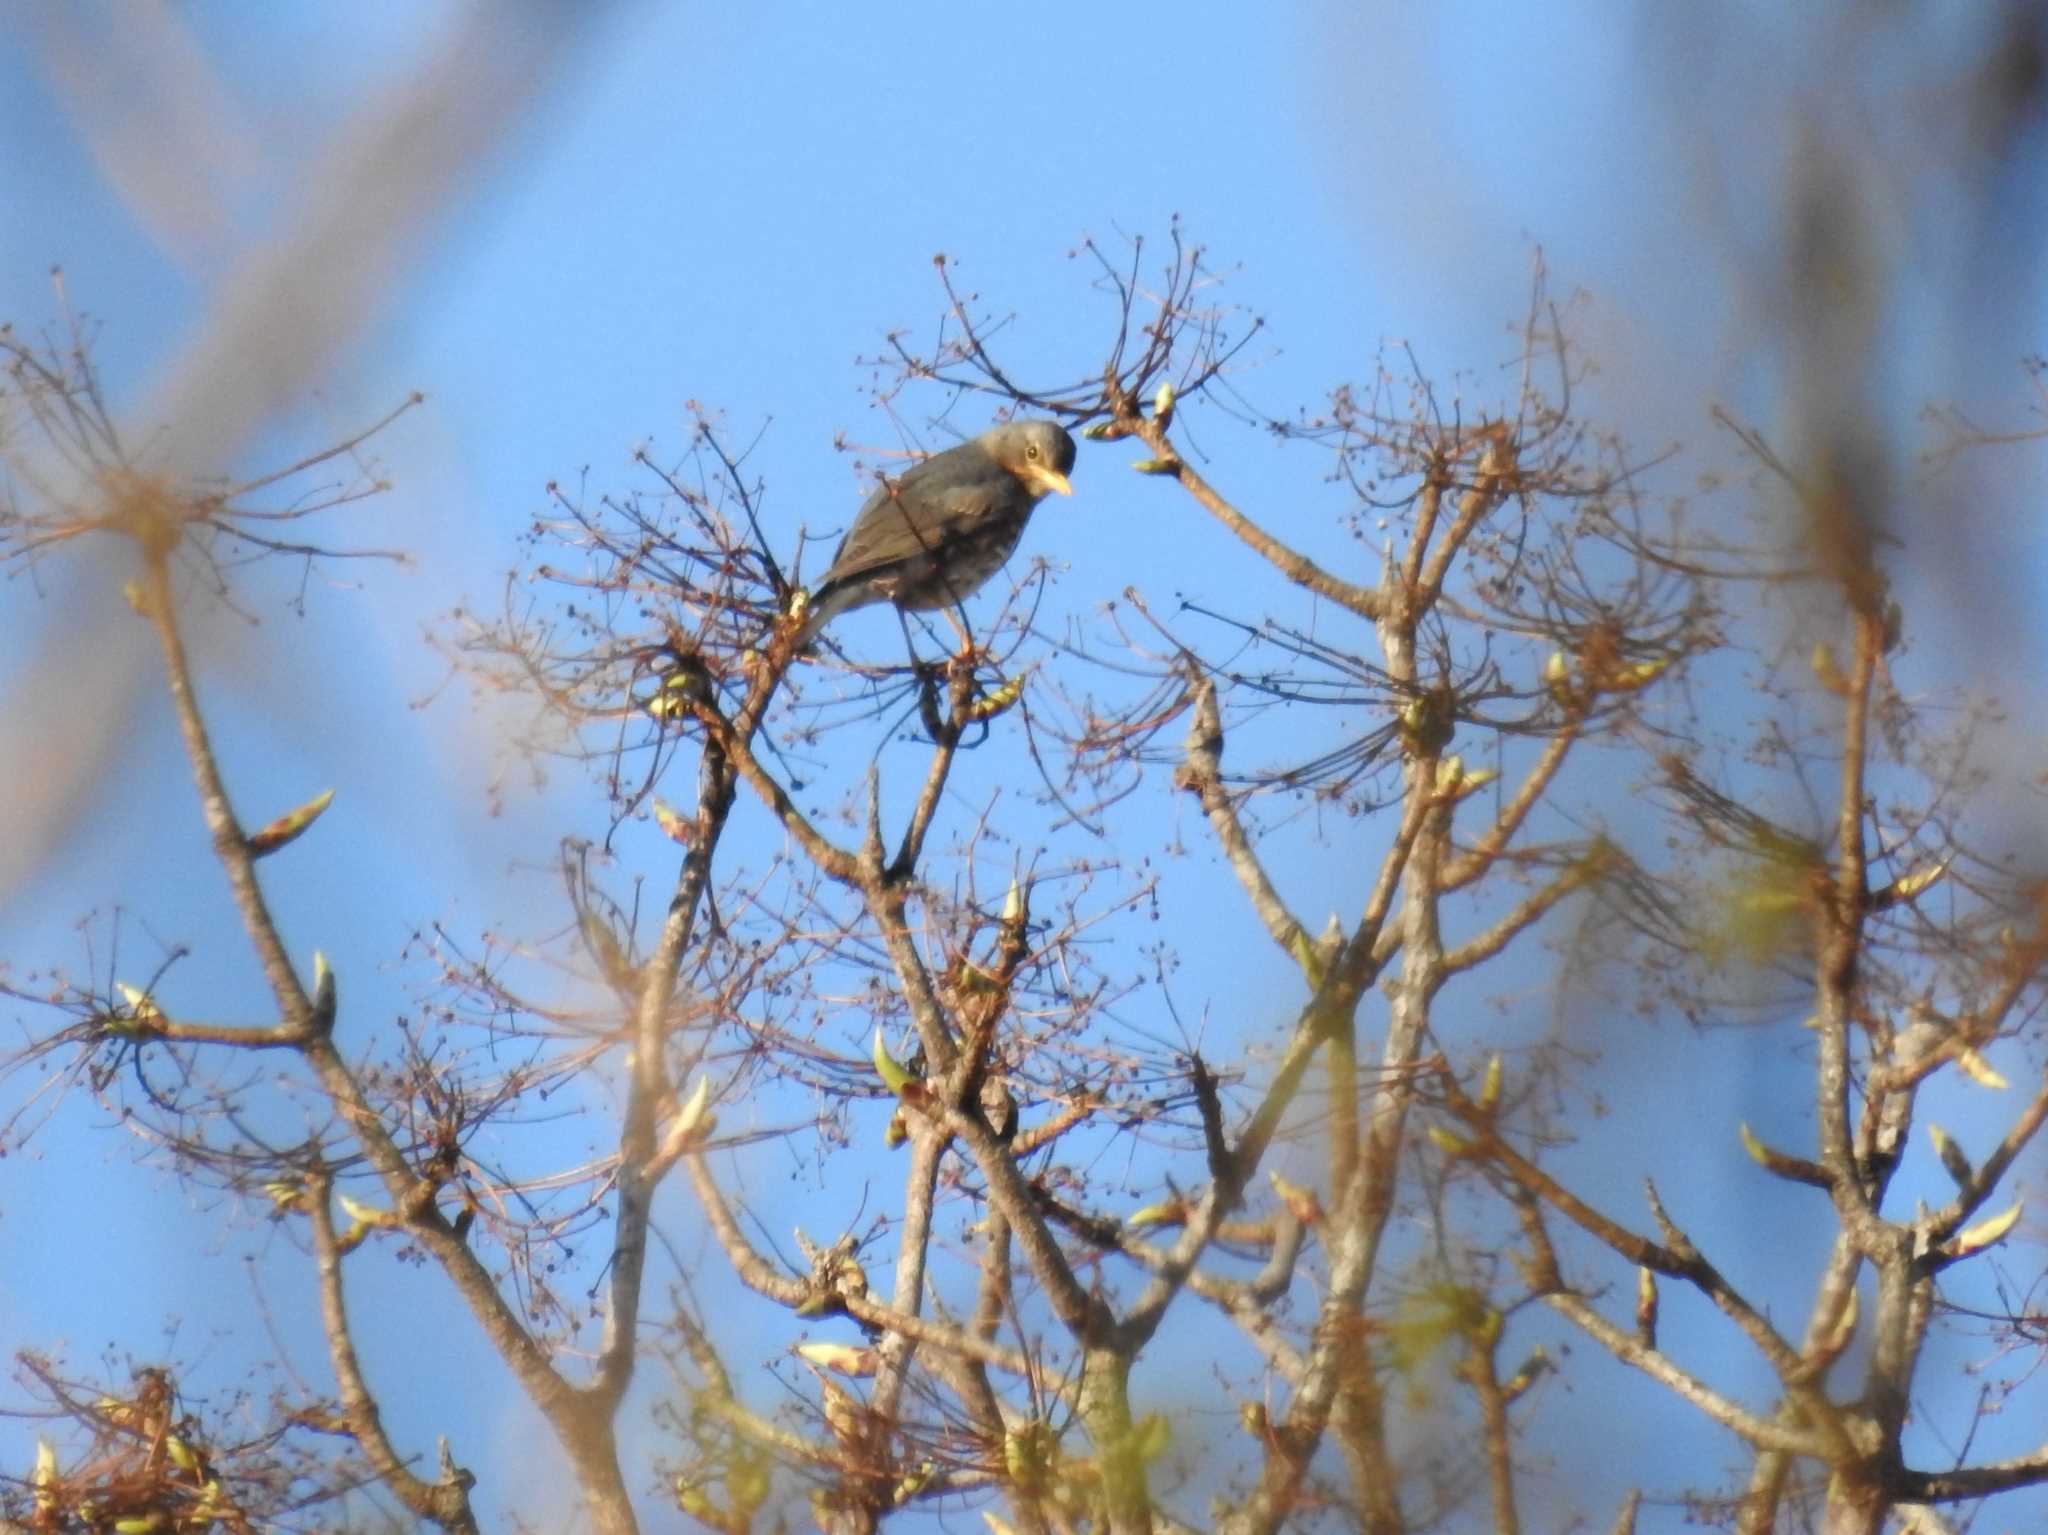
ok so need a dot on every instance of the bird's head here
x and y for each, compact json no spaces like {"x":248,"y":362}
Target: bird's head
{"x":1040,"y":453}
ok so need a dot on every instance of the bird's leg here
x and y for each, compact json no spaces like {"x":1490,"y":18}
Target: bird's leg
{"x":925,"y":677}
{"x":969,"y":652}
{"x":928,"y":701}
{"x":909,"y":644}
{"x":963,"y":667}
{"x":972,"y":656}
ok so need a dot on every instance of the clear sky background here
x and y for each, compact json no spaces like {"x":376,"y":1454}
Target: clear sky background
{"x":733,"y":205}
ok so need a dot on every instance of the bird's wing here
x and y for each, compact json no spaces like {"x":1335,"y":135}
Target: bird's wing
{"x":921,"y":514}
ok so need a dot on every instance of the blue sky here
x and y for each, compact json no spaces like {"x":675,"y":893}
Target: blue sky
{"x":706,"y":205}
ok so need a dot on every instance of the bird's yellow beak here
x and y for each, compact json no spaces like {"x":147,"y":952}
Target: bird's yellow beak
{"x":1053,"y":480}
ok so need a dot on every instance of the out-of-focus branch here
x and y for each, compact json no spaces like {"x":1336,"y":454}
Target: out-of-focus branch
{"x":1473,"y":862}
{"x":1967,"y":1482}
{"x":718,"y":1397}
{"x":1481,"y":1371}
{"x":1840,"y":946}
{"x":1484,"y":946}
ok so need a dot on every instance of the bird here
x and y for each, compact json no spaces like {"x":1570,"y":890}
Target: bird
{"x":930,"y":537}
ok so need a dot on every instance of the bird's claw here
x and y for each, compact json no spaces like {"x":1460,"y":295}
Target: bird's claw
{"x":969,"y":659}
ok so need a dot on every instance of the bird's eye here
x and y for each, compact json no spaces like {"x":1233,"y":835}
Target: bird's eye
{"x":1032,"y":451}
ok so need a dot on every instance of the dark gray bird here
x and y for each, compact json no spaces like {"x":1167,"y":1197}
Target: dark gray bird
{"x":931,"y":537}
